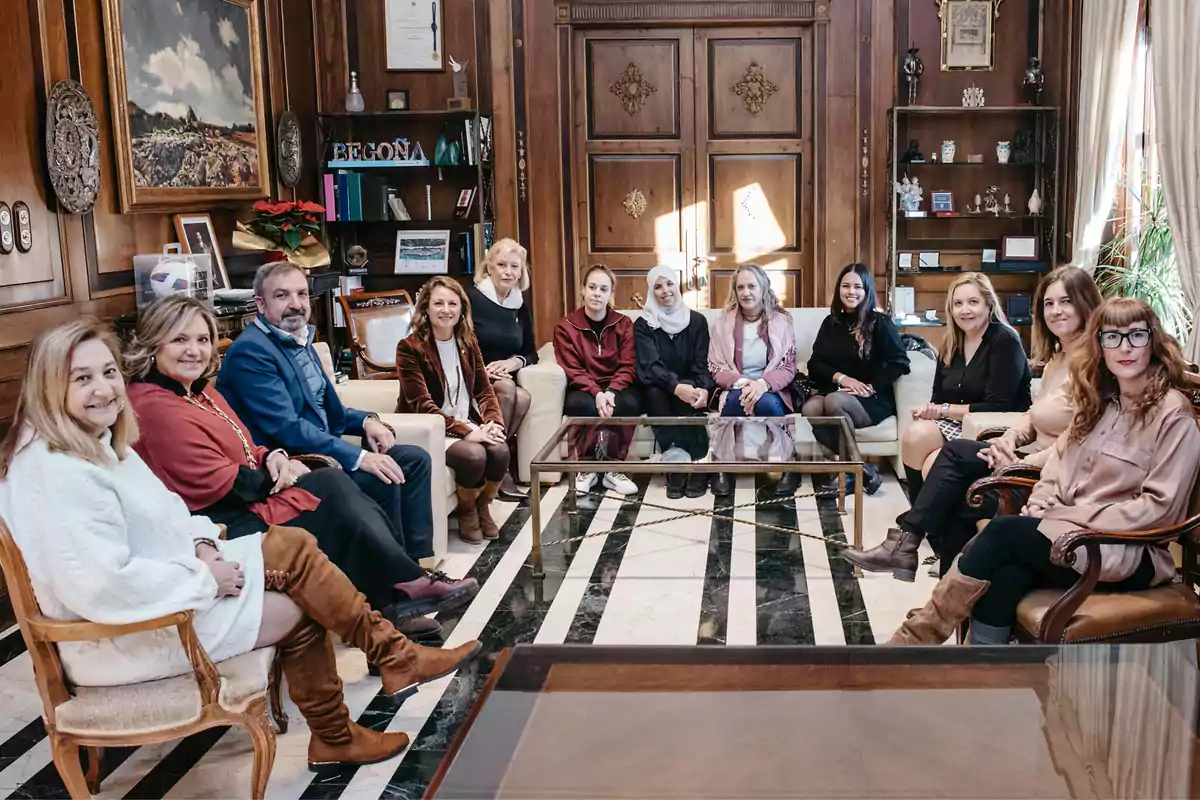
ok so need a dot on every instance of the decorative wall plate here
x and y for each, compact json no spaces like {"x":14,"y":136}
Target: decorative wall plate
{"x":72,"y":147}
{"x":290,"y":153}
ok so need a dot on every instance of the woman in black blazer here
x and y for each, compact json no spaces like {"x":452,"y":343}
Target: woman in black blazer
{"x":857,"y":357}
{"x":982,"y":367}
{"x":672,"y":367}
{"x":504,"y":328}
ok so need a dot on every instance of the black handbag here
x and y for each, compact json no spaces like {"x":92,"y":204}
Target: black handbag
{"x":803,"y":387}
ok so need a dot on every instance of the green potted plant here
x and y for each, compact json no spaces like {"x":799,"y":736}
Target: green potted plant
{"x":1141,"y":263}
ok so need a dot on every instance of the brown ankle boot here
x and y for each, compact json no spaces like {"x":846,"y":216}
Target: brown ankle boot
{"x":468,"y":515}
{"x":314,"y":686}
{"x":897,"y":554}
{"x":483,"y":507}
{"x":952,"y":600}
{"x":296,"y":566}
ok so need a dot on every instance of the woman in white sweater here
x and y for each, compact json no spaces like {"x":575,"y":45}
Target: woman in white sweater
{"x":105,"y":541}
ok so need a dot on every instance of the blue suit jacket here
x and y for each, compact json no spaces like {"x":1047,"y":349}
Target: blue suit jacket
{"x":261,"y":382}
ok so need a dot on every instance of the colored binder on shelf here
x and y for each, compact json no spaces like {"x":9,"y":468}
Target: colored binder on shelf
{"x":330,"y":198}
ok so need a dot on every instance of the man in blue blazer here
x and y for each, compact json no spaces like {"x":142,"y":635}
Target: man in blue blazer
{"x":273,"y":378}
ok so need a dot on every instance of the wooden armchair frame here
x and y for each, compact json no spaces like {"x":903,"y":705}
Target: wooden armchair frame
{"x":364,"y":367}
{"x":42,"y":634}
{"x":1011,"y":492}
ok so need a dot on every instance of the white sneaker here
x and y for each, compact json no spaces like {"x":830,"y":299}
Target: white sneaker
{"x":584,"y":482}
{"x":619,"y":482}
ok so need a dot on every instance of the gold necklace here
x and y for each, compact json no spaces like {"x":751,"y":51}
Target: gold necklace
{"x":216,"y":411}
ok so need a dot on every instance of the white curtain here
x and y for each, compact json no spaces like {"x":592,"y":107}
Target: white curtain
{"x":1106,"y":68}
{"x":1175,"y":41}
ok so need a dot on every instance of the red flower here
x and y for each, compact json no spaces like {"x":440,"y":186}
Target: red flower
{"x":312,"y":207}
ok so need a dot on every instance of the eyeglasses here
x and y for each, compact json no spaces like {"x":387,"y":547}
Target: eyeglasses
{"x":1111,"y":340}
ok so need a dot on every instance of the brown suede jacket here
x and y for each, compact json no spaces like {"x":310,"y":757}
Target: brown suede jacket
{"x":423,"y":383}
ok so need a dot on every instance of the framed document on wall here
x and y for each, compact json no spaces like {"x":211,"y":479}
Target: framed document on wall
{"x":414,"y":35}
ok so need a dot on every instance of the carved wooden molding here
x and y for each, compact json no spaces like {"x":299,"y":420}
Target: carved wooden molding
{"x":686,"y":11}
{"x":754,"y":88}
{"x":635,"y":203}
{"x":633,"y":89}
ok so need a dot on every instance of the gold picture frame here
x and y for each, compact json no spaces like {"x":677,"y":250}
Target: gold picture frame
{"x":968,"y":34}
{"x":197,"y":237}
{"x":198,"y":90}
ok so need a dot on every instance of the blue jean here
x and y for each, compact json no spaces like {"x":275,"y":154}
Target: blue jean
{"x":408,"y":505}
{"x":769,"y":405}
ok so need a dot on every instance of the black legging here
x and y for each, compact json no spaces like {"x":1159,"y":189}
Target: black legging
{"x":1015,"y":556}
{"x":475,"y":462}
{"x":611,"y":442}
{"x":350,"y":528}
{"x":940,"y":510}
{"x":692,"y":438}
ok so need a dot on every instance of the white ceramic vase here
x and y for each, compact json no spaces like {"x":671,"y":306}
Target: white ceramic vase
{"x":948,"y":148}
{"x":1003,"y":151}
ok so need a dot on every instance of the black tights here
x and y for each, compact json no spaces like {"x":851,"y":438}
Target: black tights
{"x":1015,"y":556}
{"x":474,"y":462}
{"x":835,"y":404}
{"x":514,"y":403}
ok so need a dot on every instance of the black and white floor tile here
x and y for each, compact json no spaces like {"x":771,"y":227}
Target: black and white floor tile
{"x":708,"y":580}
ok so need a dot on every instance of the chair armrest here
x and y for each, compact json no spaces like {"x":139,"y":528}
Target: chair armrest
{"x":1019,"y":470}
{"x":982,"y":425}
{"x":1010,"y":493}
{"x":547,"y":386}
{"x":378,"y":396}
{"x":1063,"y":550}
{"x":987,"y":434}
{"x":317,"y":461}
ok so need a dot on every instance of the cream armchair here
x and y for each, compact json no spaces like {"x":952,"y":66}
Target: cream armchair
{"x":423,"y":430}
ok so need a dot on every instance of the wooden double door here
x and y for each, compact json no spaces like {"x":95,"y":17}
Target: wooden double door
{"x":692,"y":149}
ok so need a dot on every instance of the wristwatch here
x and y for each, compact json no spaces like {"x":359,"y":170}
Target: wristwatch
{"x":945,"y":410}
{"x":375,"y":417}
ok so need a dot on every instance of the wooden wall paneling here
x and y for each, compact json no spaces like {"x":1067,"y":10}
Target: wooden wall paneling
{"x":1060,"y":62}
{"x":502,"y":46}
{"x":837,"y":158}
{"x":884,"y":69}
{"x":329,"y":54}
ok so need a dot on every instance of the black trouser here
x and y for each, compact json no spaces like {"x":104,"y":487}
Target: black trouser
{"x":1015,"y":556}
{"x":940,"y":510}
{"x":600,"y":441}
{"x":352,"y":530}
{"x":409,"y":505}
{"x":692,"y":438}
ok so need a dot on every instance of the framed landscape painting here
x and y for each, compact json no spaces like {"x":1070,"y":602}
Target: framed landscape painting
{"x":186,"y":80}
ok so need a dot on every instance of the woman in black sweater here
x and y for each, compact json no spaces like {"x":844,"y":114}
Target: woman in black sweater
{"x":857,"y":357}
{"x":982,"y":367}
{"x":504,"y":328}
{"x":672,"y":366}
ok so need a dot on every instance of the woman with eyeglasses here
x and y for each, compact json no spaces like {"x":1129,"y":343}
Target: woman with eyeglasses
{"x":1128,"y":462}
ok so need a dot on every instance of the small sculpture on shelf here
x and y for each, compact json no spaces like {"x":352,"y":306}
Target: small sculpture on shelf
{"x":972,"y":97}
{"x":914,"y":155}
{"x":1022,"y":147}
{"x":1035,"y":204}
{"x":461,"y":99}
{"x":1007,"y":207}
{"x":910,"y":194}
{"x":913,"y":69}
{"x":989,"y":200}
{"x":1003,"y":151}
{"x":1035,"y":80}
{"x":948,"y":148}
{"x":354,"y":98}
{"x":978,"y":209}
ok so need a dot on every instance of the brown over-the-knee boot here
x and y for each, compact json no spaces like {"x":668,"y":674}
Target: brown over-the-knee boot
{"x":951,"y":603}
{"x":467,"y":515}
{"x":487,"y":526}
{"x":296,"y":566}
{"x":314,"y":686}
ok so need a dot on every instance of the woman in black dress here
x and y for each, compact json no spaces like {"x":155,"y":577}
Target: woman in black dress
{"x":857,"y":357}
{"x":504,"y":328}
{"x":672,"y":366}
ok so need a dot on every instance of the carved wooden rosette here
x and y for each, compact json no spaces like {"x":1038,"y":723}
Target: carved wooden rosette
{"x":72,"y":147}
{"x":633,"y":89}
{"x":754,"y":89}
{"x":635,"y":203}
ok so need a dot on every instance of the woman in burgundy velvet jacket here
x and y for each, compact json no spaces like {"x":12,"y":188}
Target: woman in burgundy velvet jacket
{"x":195,"y":443}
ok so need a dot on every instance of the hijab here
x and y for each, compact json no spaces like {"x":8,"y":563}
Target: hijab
{"x":672,"y":320}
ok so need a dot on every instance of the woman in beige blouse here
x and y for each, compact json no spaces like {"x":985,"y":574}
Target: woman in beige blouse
{"x":1064,"y":300}
{"x":1127,"y":462}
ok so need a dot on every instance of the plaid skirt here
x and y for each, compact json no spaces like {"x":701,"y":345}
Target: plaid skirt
{"x":950,"y":428}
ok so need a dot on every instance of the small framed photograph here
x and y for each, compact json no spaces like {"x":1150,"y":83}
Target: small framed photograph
{"x":397,"y":100}
{"x":1019,"y":248}
{"x":905,"y":262}
{"x":931,"y":259}
{"x":422,"y":252}
{"x":968,"y":34}
{"x":943,"y":201}
{"x":989,"y":255}
{"x":196,"y":235}
{"x":462,"y":208}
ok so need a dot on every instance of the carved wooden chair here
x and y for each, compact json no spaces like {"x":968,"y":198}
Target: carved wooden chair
{"x":233,"y":692}
{"x":376,"y":322}
{"x":1053,"y":616}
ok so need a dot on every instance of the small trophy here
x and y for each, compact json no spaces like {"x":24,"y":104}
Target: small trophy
{"x":461,"y":100}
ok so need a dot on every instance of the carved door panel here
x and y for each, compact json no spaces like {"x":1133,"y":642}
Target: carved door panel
{"x":753,"y":147}
{"x":634,"y":149}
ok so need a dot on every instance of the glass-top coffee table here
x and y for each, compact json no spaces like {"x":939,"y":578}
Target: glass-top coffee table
{"x":692,"y":723}
{"x":735,"y":445}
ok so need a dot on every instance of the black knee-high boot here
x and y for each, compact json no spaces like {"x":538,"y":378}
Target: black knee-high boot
{"x":914,"y":480}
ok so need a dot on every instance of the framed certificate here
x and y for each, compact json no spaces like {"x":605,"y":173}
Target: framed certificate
{"x":414,"y":35}
{"x":1019,"y":248}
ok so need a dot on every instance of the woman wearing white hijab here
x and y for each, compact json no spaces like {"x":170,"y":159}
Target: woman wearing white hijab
{"x":672,"y":366}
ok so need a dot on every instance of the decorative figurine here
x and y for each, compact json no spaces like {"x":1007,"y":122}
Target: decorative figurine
{"x":1003,"y":151}
{"x":913,"y":69}
{"x":978,"y":206}
{"x":354,"y":98}
{"x":989,"y":200}
{"x":1035,"y":204}
{"x":1034,"y":81}
{"x":948,"y":148}
{"x":461,"y":99}
{"x":913,"y":156}
{"x":910,"y":194}
{"x":933,"y":156}
{"x":1022,"y":147}
{"x":1007,"y":209}
{"x":972,"y":97}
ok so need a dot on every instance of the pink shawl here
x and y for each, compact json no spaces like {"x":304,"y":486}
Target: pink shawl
{"x":725,"y":351}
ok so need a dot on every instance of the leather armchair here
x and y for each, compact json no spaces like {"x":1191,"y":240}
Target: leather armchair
{"x":1053,"y":616}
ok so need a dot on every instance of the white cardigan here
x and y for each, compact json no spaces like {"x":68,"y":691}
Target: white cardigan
{"x":112,"y":544}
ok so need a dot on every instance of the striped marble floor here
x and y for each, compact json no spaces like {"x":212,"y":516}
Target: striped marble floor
{"x":708,"y":580}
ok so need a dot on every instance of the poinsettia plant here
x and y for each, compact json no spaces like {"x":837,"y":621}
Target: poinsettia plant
{"x":287,"y":223}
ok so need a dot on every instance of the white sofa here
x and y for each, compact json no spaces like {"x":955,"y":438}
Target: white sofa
{"x":547,"y":385}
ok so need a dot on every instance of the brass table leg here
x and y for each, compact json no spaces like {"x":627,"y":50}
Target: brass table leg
{"x":535,"y":498}
{"x":842,"y":492}
{"x":858,"y":514}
